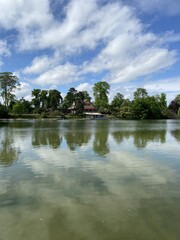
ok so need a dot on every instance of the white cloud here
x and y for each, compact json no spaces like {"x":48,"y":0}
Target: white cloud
{"x":129,"y":56}
{"x":170,"y":86}
{"x":24,"y":91}
{"x":59,"y":75}
{"x":165,"y":85}
{"x":116,"y":39}
{"x":150,"y":61}
{"x":84,"y":26}
{"x":22,"y":14}
{"x":4,"y":49}
{"x":168,"y":7}
{"x":41,"y":64}
{"x":84,"y":86}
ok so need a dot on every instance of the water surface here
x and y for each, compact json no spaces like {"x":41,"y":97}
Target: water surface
{"x":83,"y":179}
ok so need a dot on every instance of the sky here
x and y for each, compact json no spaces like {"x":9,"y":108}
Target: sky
{"x":59,"y":44}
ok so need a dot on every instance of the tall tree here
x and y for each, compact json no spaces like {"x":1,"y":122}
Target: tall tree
{"x":140,"y":93}
{"x":175,"y":104}
{"x":54,"y":99}
{"x":117,"y":102}
{"x":36,"y":100}
{"x":69,"y":98}
{"x":86,"y":95}
{"x":100,"y":92}
{"x":79,"y":102}
{"x":44,"y":99}
{"x":8,"y":83}
{"x":22,"y":106}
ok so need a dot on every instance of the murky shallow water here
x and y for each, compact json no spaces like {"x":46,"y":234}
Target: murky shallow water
{"x":90,"y":180}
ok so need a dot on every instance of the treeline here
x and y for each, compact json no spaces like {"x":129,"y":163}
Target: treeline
{"x":50,"y":103}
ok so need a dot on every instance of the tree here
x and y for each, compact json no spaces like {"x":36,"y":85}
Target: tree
{"x":54,"y":99}
{"x":44,"y":99}
{"x":22,"y":107}
{"x":8,"y":83}
{"x":86,"y":95}
{"x":36,"y":100}
{"x":3,"y":111}
{"x":100,"y":92}
{"x":79,"y":102}
{"x":146,"y":108}
{"x":140,"y":93}
{"x":175,"y":104}
{"x":161,"y":99}
{"x":125,"y":112}
{"x":178,"y":112}
{"x":177,"y":99}
{"x":117,"y":102}
{"x":69,"y":98}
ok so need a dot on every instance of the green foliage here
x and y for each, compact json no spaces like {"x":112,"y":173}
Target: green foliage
{"x":177,"y":99}
{"x":175,"y":105}
{"x":36,"y":100}
{"x":22,"y":107}
{"x":146,"y":108}
{"x":8,"y":83}
{"x":50,"y":103}
{"x":140,"y":93}
{"x":69,"y":98}
{"x":79,"y":103}
{"x":3,"y":111}
{"x":125,"y":112}
{"x":100,"y":92}
{"x":43,"y":100}
{"x":8,"y":154}
{"x":75,"y":100}
{"x":86,"y":95}
{"x":178,"y":112}
{"x":116,"y":103}
{"x":54,"y":99}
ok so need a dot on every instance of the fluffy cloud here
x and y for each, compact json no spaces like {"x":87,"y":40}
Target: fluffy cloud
{"x":168,"y":7}
{"x":24,"y":91}
{"x":59,"y":75}
{"x":84,"y":86}
{"x":4,"y":50}
{"x":106,"y":39}
{"x":41,"y":64}
{"x":170,"y":86}
{"x":23,"y":15}
{"x":165,"y":85}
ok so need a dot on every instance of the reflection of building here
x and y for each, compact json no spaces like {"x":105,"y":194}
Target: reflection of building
{"x":88,"y":107}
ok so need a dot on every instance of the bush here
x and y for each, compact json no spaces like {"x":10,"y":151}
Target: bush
{"x":3,"y":111}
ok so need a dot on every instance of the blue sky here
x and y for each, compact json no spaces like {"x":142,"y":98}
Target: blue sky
{"x":76,"y":43}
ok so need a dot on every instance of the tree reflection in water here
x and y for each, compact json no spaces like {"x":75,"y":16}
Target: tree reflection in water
{"x":45,"y":133}
{"x":100,"y":144}
{"x":141,"y":138}
{"x":8,"y":153}
{"x":77,"y":134}
{"x":176,"y":134}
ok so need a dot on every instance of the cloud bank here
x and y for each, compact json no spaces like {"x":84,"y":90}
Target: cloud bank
{"x":86,"y":37}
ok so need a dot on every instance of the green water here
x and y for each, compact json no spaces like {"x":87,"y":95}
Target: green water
{"x":94,"y":180}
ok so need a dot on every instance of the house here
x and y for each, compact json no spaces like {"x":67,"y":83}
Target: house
{"x":88,"y":107}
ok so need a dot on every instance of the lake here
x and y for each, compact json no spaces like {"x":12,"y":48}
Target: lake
{"x":89,"y":180}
